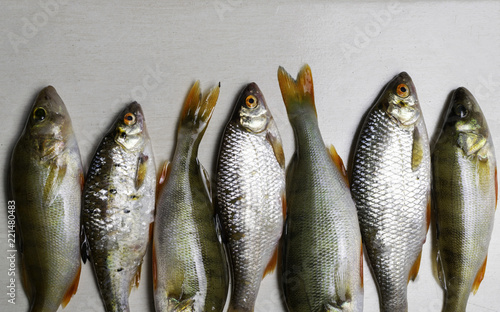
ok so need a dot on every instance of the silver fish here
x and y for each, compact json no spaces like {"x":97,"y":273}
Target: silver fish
{"x":118,"y":206}
{"x":250,"y":194}
{"x":391,"y":188}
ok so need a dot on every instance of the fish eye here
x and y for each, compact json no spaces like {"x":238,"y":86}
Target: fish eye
{"x":251,"y":101}
{"x":129,"y":119}
{"x":39,"y":114}
{"x":461,"y":111}
{"x":403,"y":90}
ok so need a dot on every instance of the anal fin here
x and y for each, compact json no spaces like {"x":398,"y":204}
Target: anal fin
{"x":72,"y":289}
{"x":414,"y":269}
{"x":479,"y":277}
{"x":271,"y":266}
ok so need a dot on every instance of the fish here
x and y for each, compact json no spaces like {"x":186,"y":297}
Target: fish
{"x":250,"y":190}
{"x":190,"y":271}
{"x":390,"y":184}
{"x":322,"y":262}
{"x":46,"y":182}
{"x":465,"y":192}
{"x":118,"y":207}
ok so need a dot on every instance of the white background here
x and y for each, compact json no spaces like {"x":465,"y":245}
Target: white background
{"x":103,"y":54}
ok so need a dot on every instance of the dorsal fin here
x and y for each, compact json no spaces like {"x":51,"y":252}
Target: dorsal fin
{"x":338,"y":162}
{"x":479,"y":276}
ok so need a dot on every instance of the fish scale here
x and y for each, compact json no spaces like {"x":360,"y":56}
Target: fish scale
{"x":390,"y":186}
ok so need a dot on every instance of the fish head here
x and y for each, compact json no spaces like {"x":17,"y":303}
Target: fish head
{"x":130,"y":127}
{"x":48,"y":124}
{"x":467,"y":121}
{"x":251,"y":111}
{"x":400,"y":100}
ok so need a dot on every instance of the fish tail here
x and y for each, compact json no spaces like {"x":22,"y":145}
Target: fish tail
{"x":297,"y":93}
{"x":198,"y":110}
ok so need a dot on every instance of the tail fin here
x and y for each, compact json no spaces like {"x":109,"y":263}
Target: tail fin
{"x":197,"y":111}
{"x":297,"y":93}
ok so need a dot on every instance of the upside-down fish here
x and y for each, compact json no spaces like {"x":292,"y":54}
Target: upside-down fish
{"x":322,"y":257}
{"x":465,"y":191}
{"x":46,"y":179}
{"x":250,"y":194}
{"x":118,"y":207}
{"x":391,"y":188}
{"x":189,"y":263}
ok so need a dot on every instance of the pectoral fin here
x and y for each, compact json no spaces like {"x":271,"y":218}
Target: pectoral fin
{"x":162,"y":178}
{"x":277,"y":148}
{"x":470,"y":142}
{"x":418,"y":150}
{"x":142,"y":168}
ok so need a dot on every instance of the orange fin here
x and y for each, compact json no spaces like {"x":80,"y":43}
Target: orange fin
{"x":339,"y":163}
{"x":496,"y":188}
{"x":154,"y":266}
{"x":162,"y":178}
{"x":479,"y":277}
{"x":283,"y":203}
{"x":82,"y":181}
{"x":428,"y":215}
{"x":414,"y":269}
{"x":142,"y":169}
{"x":297,"y":93}
{"x":361,"y":265}
{"x":137,"y":278}
{"x":72,"y":289}
{"x":272,"y":263}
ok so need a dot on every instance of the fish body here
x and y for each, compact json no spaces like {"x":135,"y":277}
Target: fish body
{"x":391,"y":187}
{"x":250,"y":194}
{"x":322,"y":256}
{"x":118,"y":206}
{"x":46,"y":179}
{"x":190,"y":271}
{"x":464,"y":198}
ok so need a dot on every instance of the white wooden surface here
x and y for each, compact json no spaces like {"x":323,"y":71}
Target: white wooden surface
{"x":100,"y":55}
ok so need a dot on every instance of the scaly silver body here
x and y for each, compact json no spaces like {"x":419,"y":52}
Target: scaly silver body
{"x":250,"y":186}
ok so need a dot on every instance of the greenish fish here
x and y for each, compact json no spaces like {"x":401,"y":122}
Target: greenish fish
{"x":322,"y":257}
{"x":464,"y":198}
{"x":46,"y":179}
{"x":189,"y":264}
{"x":118,"y":207}
{"x":390,"y":184}
{"x":250,"y":194}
